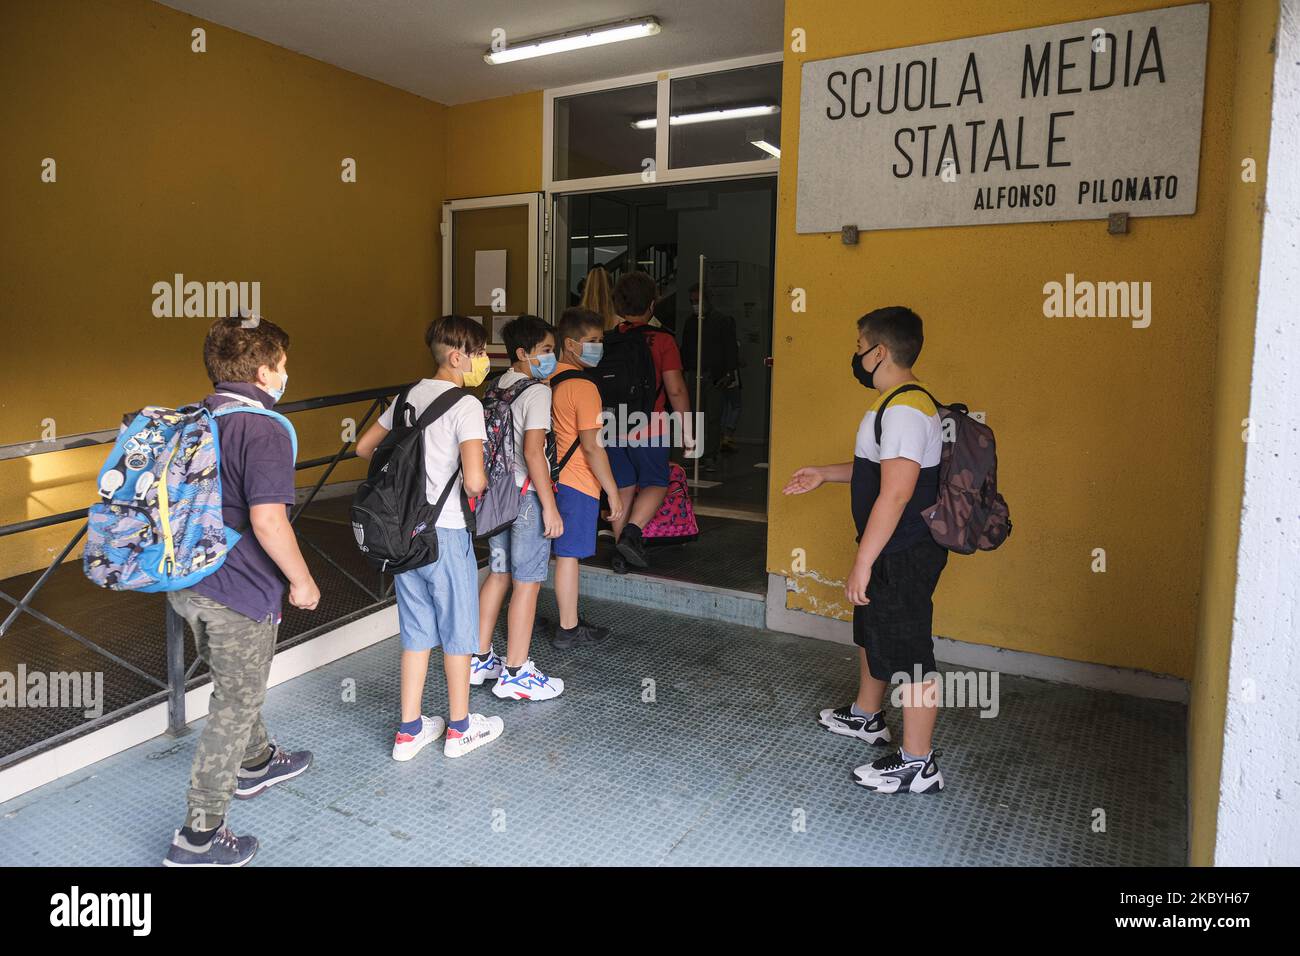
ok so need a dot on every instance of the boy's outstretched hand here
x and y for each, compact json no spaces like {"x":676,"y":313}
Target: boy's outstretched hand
{"x":803,"y":481}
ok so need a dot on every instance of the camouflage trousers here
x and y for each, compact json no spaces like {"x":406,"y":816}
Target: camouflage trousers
{"x":238,"y":652}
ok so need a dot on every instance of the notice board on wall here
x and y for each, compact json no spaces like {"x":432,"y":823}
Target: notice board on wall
{"x":1070,"y":121}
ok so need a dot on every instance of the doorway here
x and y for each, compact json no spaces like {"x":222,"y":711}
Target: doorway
{"x":664,"y":230}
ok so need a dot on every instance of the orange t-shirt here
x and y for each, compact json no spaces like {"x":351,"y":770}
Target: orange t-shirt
{"x":575,"y":407}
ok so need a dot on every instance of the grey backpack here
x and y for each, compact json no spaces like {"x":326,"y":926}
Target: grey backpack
{"x":496,"y":509}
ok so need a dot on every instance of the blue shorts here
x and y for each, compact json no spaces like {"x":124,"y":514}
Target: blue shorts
{"x":522,"y":550}
{"x":437,"y":605}
{"x":579,"y":512}
{"x":644,"y":466}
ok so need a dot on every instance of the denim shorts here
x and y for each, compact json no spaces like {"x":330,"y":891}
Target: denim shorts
{"x":579,"y":512}
{"x":437,"y":605}
{"x":522,"y":550}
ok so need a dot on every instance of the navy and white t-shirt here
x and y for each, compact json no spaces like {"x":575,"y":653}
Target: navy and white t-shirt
{"x":910,"y":429}
{"x":256,"y":469}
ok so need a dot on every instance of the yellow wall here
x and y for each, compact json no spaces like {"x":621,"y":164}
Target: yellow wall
{"x":222,"y":165}
{"x":1235,"y":315}
{"x":1103,"y":430}
{"x":494,"y":147}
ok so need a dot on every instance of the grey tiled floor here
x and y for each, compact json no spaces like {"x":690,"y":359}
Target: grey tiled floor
{"x":717,"y":770}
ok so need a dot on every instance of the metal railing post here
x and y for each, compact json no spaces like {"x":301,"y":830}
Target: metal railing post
{"x":176,"y":725}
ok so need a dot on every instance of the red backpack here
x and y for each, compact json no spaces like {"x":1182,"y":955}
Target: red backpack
{"x":969,"y":515}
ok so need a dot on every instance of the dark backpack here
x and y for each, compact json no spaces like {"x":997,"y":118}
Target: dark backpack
{"x":626,"y":373}
{"x":394,"y":524}
{"x":969,"y":515}
{"x":557,"y":466}
{"x":498,"y":507}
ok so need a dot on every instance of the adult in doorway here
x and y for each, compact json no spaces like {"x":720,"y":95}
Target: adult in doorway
{"x":639,"y":459}
{"x":719,"y":369}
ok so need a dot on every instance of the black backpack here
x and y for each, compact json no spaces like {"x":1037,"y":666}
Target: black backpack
{"x":392,"y":519}
{"x":626,"y":373}
{"x":557,"y":466}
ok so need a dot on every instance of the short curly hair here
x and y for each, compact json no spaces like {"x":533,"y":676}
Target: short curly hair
{"x":235,"y":348}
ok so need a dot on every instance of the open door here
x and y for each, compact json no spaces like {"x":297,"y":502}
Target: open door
{"x":492,"y":263}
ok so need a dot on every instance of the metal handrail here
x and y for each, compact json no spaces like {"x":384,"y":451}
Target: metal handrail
{"x":178,"y":677}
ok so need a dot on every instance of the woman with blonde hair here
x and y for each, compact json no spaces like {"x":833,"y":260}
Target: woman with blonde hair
{"x":598,"y":296}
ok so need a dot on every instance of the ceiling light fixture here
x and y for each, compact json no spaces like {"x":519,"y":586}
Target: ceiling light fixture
{"x":629,"y":29}
{"x":767,"y":147}
{"x":709,"y":116}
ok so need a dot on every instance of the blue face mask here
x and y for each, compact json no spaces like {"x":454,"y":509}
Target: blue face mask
{"x":544,"y":367}
{"x":278,"y":393}
{"x":591,"y":353}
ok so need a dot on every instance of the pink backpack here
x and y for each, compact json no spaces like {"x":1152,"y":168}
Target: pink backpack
{"x":675,"y":519}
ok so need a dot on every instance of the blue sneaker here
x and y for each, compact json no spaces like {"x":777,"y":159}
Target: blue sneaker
{"x":225,"y":849}
{"x":482,"y":671}
{"x":529,"y":684}
{"x":284,"y":765}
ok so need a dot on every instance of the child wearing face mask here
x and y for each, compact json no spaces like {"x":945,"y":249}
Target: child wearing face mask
{"x":576,"y":410}
{"x":893,"y":478}
{"x":521,"y":554}
{"x":437,"y":604}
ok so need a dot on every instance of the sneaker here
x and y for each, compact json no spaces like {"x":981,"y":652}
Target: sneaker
{"x":892,"y":774}
{"x":482,"y":730}
{"x":225,"y":849}
{"x":284,"y":765}
{"x":632,"y":548}
{"x":528,"y":684}
{"x":617,"y":563}
{"x":541,"y":628}
{"x":842,"y":720}
{"x":584,"y":634}
{"x":405,"y":746}
{"x":482,"y":671}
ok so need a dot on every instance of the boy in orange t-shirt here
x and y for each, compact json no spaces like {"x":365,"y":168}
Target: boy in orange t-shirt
{"x":577,"y":420}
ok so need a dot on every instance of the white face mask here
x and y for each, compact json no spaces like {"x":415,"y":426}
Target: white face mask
{"x":278,"y":393}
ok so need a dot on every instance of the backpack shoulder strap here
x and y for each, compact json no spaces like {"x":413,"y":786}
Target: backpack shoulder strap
{"x":439,"y":407}
{"x":230,"y":408}
{"x":880,"y":412}
{"x":566,"y":376}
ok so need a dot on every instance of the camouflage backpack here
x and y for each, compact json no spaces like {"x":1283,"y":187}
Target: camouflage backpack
{"x":969,"y":515}
{"x":158,"y":523}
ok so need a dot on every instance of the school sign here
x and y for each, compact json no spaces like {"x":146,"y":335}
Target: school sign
{"x":1070,"y":121}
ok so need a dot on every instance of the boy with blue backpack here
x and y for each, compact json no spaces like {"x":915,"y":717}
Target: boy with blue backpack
{"x":209,"y":485}
{"x":518,"y":412}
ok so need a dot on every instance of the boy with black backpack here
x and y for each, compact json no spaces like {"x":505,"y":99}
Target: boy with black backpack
{"x":640,"y":372}
{"x":439,"y":424}
{"x":894,"y":481}
{"x":518,"y":406}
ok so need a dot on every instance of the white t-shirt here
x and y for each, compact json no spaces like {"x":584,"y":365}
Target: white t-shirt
{"x":531,"y":410}
{"x":910,"y":429}
{"x":462,"y":422}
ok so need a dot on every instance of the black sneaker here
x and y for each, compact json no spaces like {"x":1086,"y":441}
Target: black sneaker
{"x":632,"y":548}
{"x":284,"y":765}
{"x":224,"y":849}
{"x":584,"y":634}
{"x":893,"y":774}
{"x":617,"y":563}
{"x":541,"y":630}
{"x":842,"y":720}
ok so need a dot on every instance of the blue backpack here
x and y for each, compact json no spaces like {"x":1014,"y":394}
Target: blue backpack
{"x":158,"y":525}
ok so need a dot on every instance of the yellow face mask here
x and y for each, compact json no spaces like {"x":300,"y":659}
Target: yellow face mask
{"x":478,"y":370}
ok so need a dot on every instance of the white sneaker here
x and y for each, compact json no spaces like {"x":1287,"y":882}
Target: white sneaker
{"x":528,"y":684}
{"x":480,"y":672}
{"x":481,"y":730}
{"x":405,"y":746}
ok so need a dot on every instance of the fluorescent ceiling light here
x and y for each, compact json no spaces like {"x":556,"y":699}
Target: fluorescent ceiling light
{"x":767,"y":147}
{"x":710,"y":116}
{"x":630,"y":29}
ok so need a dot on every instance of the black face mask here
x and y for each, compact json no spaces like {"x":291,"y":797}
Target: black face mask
{"x":865,"y":379}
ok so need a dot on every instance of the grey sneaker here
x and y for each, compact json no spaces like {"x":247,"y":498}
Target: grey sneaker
{"x":583,"y":634}
{"x":225,"y":849}
{"x":284,"y":765}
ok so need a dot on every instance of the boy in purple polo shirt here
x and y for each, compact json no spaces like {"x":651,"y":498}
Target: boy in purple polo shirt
{"x":235,"y":611}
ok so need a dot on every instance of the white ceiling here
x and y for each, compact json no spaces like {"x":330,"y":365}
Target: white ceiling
{"x":434,"y":48}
